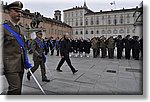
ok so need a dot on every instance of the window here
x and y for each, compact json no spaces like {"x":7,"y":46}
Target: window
{"x":103,"y":32}
{"x":97,"y":31}
{"x":81,"y":13}
{"x":121,"y":31}
{"x":92,"y":32}
{"x":91,"y":20}
{"x":109,"y":31}
{"x":86,"y":32}
{"x":115,"y":21}
{"x":86,"y":21}
{"x":128,"y":18}
{"x":76,"y":32}
{"x":128,"y":30}
{"x":81,"y":32}
{"x":109,"y":20}
{"x":81,"y":22}
{"x":97,"y":20}
{"x":76,"y":22}
{"x":115,"y":31}
{"x":121,"y":19}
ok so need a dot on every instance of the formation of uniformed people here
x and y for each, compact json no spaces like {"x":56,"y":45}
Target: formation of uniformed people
{"x":107,"y":46}
{"x":14,"y":50}
{"x":100,"y":45}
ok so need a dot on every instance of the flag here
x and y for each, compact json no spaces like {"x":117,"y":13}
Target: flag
{"x":112,"y":3}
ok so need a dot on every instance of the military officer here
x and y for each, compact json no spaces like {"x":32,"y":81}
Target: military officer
{"x":102,"y":44}
{"x":111,"y":46}
{"x":38,"y":56}
{"x":13,"y":55}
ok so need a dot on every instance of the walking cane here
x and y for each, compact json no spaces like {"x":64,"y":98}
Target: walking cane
{"x":37,"y":82}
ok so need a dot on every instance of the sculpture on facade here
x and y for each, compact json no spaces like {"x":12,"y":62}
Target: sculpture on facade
{"x":36,"y":20}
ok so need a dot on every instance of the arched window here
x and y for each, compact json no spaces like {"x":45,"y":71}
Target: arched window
{"x":121,"y":31}
{"x":97,"y":31}
{"x":115,"y":31}
{"x":76,"y":32}
{"x":92,"y":32}
{"x":86,"y":32}
{"x":103,"y":32}
{"x":81,"y":32}
{"x":115,"y":21}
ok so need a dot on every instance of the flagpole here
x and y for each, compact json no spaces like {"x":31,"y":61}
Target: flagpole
{"x":115,"y":4}
{"x":37,"y":82}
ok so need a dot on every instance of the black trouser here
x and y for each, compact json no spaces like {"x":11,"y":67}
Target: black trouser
{"x":133,"y":53}
{"x":52,"y":51}
{"x":103,"y":50}
{"x":136,"y":56}
{"x":36,"y":66}
{"x":15,"y":83}
{"x":67,"y":59}
{"x":98,"y":52}
{"x":111,"y":52}
{"x":127,"y":53}
{"x":95,"y":53}
{"x":119,"y":53}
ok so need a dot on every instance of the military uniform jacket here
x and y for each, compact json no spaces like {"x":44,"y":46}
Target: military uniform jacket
{"x":37,"y":50}
{"x":12,"y":53}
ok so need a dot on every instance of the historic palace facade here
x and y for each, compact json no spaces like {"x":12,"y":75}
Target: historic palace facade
{"x":51,"y":27}
{"x":88,"y":24}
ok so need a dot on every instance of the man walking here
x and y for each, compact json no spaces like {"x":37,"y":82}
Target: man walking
{"x":38,"y":56}
{"x":64,"y":52}
{"x":14,"y":53}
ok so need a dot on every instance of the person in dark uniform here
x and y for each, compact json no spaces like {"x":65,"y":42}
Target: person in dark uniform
{"x":136,"y":48}
{"x":133,"y":40}
{"x":46,"y":47}
{"x":71,"y":49}
{"x":81,"y":47}
{"x":64,"y":52}
{"x":51,"y":45}
{"x":13,"y":54}
{"x":76,"y":47}
{"x":38,"y":56}
{"x":57,"y":45}
{"x":87,"y":47}
{"x":119,"y":45}
{"x":141,"y":46}
{"x":127,"y":45}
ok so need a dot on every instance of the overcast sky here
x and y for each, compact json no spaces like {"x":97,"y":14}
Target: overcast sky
{"x":47,"y":7}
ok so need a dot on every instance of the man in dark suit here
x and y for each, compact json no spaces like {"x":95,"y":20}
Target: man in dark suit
{"x":13,"y":55}
{"x":64,"y":52}
{"x":127,"y":45}
{"x":38,"y":56}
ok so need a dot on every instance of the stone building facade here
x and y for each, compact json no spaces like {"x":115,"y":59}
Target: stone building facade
{"x":87,"y":23}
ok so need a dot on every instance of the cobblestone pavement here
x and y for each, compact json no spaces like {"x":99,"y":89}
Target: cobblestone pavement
{"x":95,"y":76}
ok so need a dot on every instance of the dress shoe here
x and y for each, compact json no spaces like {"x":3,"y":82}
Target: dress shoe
{"x":58,"y":70}
{"x":75,"y":71}
{"x":28,"y":77}
{"x":45,"y":80}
